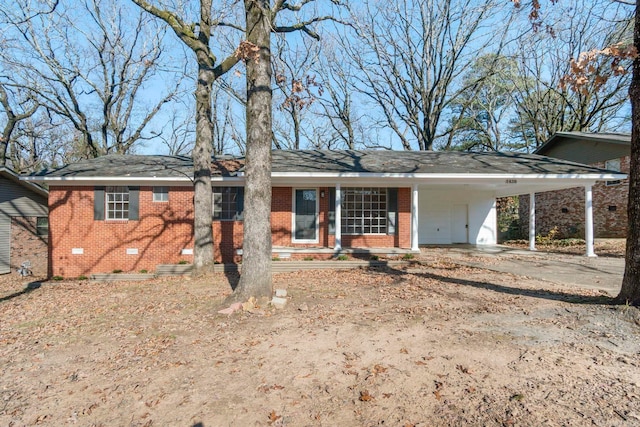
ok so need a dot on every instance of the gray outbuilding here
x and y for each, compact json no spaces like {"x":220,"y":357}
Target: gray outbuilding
{"x":23,"y":222}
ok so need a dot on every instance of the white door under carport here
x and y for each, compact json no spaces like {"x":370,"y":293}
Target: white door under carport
{"x":455,"y":215}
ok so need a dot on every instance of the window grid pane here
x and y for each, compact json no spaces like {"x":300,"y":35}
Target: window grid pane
{"x":117,"y":201}
{"x":364,"y":210}
{"x":160,"y":194}
{"x":225,"y":203}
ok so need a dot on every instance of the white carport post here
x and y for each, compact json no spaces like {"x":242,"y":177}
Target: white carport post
{"x":414,"y":218}
{"x":588,"y":220}
{"x":337,"y":220}
{"x":532,"y":221}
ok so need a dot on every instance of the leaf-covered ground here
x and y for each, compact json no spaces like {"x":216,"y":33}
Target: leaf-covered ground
{"x":432,"y":343}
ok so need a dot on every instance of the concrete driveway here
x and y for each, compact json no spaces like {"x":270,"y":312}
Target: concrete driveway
{"x":599,"y":273}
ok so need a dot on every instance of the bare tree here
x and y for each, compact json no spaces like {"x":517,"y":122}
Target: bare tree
{"x":197,"y":38}
{"x":343,"y":125}
{"x":545,"y":106}
{"x":298,"y":89}
{"x":90,"y":66}
{"x":12,"y":117}
{"x":410,"y":55}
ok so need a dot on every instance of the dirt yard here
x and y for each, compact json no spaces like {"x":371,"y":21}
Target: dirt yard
{"x":430,"y":344}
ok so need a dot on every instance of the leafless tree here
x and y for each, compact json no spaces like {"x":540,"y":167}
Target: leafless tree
{"x":342,"y":125}
{"x":14,"y":111}
{"x":92,"y":64}
{"x":411,"y":54}
{"x":544,"y":106}
{"x":296,"y":89}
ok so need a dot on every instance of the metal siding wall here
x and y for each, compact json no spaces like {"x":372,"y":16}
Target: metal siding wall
{"x":16,"y":200}
{"x":5,"y":244}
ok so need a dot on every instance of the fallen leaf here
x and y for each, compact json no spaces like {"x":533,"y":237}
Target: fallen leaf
{"x":273,"y":417}
{"x":365,"y":396}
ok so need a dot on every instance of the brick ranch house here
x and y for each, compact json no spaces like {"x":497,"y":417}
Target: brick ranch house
{"x":564,"y":209}
{"x":135,"y":212}
{"x":23,"y":224}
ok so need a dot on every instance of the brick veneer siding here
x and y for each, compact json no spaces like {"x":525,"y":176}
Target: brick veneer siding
{"x":165,"y":228}
{"x":606,"y":222}
{"x":27,"y":245}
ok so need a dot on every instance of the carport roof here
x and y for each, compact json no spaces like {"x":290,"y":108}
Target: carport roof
{"x":341,"y":162}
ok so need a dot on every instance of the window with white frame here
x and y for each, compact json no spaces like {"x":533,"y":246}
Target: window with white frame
{"x":364,"y":210}
{"x":160,"y":194}
{"x":117,"y":201}
{"x":228,"y":203}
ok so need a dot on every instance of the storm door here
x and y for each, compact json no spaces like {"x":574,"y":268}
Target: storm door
{"x":305,"y":221}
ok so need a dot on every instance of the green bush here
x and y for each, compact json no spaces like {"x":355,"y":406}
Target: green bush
{"x":82,"y":278}
{"x":374,"y":258}
{"x":117,"y":271}
{"x":143,"y":271}
{"x":57,"y":278}
{"x":308,"y":258}
{"x":342,"y":257}
{"x":183,"y":262}
{"x":407,"y":257}
{"x":275,"y":258}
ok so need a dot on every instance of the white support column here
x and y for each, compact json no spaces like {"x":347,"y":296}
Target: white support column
{"x":414,"y":218}
{"x":532,"y":221}
{"x":588,"y":220}
{"x":338,"y":220}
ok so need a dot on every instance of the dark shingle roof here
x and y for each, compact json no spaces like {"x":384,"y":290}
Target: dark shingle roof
{"x":342,"y":161}
{"x":435,"y":162}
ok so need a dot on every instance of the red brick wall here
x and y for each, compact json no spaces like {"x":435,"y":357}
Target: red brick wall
{"x":606,"y":222}
{"x":26,"y":245}
{"x":165,"y":228}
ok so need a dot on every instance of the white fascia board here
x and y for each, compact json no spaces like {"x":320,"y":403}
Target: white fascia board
{"x":115,"y":180}
{"x":445,"y":176}
{"x":395,"y":179}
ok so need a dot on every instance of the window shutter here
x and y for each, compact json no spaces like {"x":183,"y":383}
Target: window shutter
{"x":332,"y":211}
{"x":239,"y":203}
{"x":98,"y":203}
{"x":392,"y":211}
{"x":134,"y":202}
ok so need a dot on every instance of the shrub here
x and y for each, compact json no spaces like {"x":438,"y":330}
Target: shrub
{"x":81,"y":277}
{"x":183,"y":262}
{"x":275,"y":258}
{"x":374,"y":258}
{"x":407,"y":257}
{"x":342,"y":257}
{"x":308,"y":258}
{"x":57,"y":278}
{"x":117,"y":271}
{"x":143,"y":271}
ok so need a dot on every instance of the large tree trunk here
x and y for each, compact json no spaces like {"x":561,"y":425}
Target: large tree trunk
{"x":203,"y":234}
{"x":255,"y":279}
{"x":630,"y":292}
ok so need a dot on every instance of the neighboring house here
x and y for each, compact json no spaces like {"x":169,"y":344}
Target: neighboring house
{"x":133,"y":213}
{"x":564,"y":209}
{"x":23,"y":224}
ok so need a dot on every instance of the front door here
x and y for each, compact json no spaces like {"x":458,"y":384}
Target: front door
{"x":305,"y":221}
